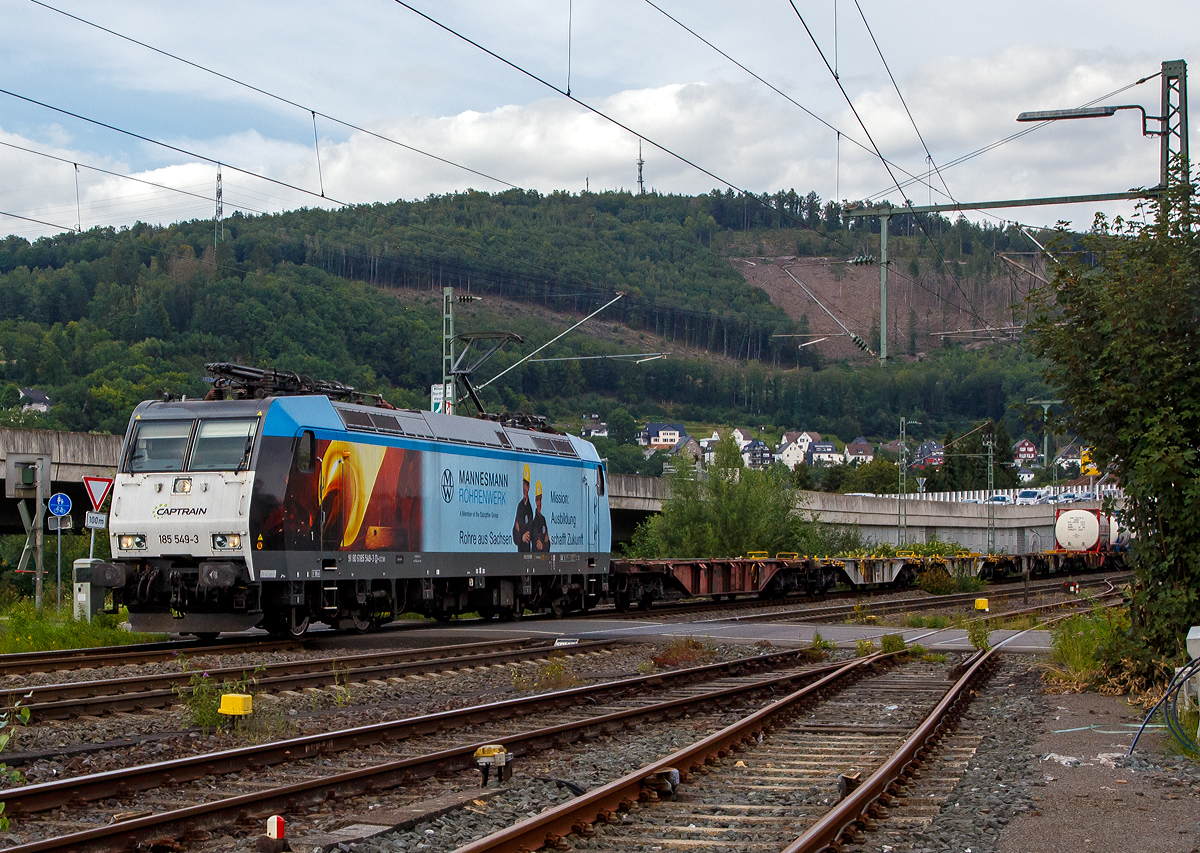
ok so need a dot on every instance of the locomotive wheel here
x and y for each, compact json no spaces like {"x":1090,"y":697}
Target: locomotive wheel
{"x":289,"y":624}
{"x":558,"y":608}
{"x":363,"y":622}
{"x":512,"y":614}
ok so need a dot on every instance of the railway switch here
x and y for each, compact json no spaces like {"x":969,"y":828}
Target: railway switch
{"x":494,"y":755}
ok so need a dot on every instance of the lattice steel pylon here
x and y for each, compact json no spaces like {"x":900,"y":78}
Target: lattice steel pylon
{"x":1174,"y":163}
{"x":448,"y":343}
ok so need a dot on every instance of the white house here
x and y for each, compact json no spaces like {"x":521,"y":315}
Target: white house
{"x":860,"y":451}
{"x":791,"y":455}
{"x":823,"y":453}
{"x":742,"y":437}
{"x":657,"y":436}
{"x":708,"y":448}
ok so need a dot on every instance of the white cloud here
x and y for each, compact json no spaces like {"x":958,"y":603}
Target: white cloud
{"x":738,"y":130}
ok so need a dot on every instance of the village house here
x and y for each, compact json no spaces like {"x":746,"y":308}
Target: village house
{"x":823,"y":453}
{"x":1024,"y":451}
{"x":757,"y":455}
{"x":860,"y":451}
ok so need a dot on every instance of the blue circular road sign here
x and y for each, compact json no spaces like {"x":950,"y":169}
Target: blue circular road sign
{"x":59,"y":504}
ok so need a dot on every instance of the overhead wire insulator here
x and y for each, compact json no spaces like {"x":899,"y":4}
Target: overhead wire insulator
{"x":861,"y":260}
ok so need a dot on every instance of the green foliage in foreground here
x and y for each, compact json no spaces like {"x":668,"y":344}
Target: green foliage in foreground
{"x":1080,"y":645}
{"x":731,"y":512}
{"x":25,"y":629}
{"x":201,"y":697}
{"x":1118,"y":330}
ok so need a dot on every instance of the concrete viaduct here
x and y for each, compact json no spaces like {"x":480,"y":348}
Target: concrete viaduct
{"x":1018,"y":528}
{"x":631,"y":499}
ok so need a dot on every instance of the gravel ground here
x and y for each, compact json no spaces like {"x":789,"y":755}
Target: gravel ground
{"x":153,"y":736}
{"x":526,"y":795}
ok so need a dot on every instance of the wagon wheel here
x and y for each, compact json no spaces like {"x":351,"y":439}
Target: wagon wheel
{"x":558,"y":607}
{"x":621,"y":602}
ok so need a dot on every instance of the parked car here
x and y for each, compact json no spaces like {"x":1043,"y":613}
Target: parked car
{"x":1000,"y":500}
{"x":1067,"y":498}
{"x":1048,"y":499}
{"x":970,"y":501}
{"x":1027,"y":497}
{"x":1088,"y":496}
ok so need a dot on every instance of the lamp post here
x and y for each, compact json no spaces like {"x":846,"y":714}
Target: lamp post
{"x":1172,"y":123}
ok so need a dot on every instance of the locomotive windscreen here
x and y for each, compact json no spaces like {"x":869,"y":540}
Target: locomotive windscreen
{"x":222,"y":445}
{"x":159,"y":446}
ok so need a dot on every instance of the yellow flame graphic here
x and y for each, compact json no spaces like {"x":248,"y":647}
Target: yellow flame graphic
{"x":348,"y":474}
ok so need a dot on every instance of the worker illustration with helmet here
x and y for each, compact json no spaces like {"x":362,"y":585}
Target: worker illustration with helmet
{"x":541,"y":533}
{"x":523,"y":526}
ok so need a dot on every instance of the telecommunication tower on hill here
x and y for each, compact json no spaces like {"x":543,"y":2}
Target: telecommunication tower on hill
{"x":640,"y":162}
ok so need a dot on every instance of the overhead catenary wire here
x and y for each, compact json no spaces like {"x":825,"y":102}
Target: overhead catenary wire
{"x":659,"y":146}
{"x":269,"y":94}
{"x":899,"y":95}
{"x":838,"y":131}
{"x":286,"y":185}
{"x":317,"y":148}
{"x":886,"y":166}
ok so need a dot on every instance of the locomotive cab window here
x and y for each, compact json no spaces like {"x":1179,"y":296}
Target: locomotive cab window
{"x":159,"y":446}
{"x":306,"y":452}
{"x":600,"y":480}
{"x":223,"y":445}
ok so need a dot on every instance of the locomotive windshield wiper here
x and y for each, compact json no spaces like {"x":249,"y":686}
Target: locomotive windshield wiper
{"x":246,"y":454}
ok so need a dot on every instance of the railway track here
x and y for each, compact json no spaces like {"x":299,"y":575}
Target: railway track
{"x":771,"y":781}
{"x":173,"y":800}
{"x":60,"y":660}
{"x":910,"y":605}
{"x":141,"y":692}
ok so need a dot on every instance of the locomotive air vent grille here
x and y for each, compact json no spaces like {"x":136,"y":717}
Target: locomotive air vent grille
{"x":543,"y":444}
{"x":503,"y":439}
{"x":563,"y":446}
{"x":356,"y":420}
{"x":386,"y":423}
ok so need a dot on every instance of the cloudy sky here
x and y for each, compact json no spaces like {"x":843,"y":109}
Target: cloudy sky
{"x":964,"y":69}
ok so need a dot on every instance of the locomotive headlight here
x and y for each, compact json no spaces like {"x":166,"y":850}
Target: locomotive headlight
{"x":183,"y":486}
{"x":226,"y":541}
{"x":132,"y":542}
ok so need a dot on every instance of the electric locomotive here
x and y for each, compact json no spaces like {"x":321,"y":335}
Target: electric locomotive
{"x":278,"y":501}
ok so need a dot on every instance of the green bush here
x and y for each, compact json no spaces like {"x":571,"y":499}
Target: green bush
{"x":916,"y":650}
{"x":864,"y":647}
{"x":936,"y":581}
{"x":892,"y":643}
{"x":977,"y":634}
{"x":820,"y":644}
{"x":201,"y":697}
{"x":1079,"y":644}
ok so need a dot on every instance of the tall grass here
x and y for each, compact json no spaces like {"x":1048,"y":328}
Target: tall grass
{"x":1076,"y":660}
{"x":23,"y":628}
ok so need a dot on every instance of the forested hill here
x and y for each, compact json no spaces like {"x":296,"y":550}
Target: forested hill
{"x":106,"y":318}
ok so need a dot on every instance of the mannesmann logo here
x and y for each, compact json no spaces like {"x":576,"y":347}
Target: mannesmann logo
{"x":447,"y":485}
{"x":163,"y":511}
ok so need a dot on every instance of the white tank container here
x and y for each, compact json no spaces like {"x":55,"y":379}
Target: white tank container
{"x":1081,"y":530}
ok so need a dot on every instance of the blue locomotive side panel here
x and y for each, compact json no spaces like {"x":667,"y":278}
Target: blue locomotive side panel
{"x":358,"y":492}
